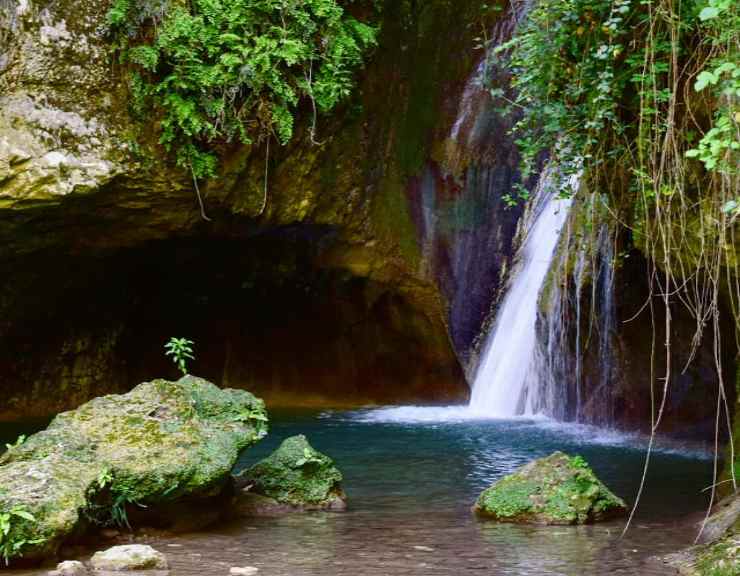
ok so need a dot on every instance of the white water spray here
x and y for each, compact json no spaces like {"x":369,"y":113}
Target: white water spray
{"x":500,"y":389}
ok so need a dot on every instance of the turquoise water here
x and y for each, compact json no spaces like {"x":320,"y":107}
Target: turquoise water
{"x":412,"y":475}
{"x":437,"y":459}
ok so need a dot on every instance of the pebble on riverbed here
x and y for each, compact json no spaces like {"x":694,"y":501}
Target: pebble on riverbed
{"x":129,"y":557}
{"x":245,"y":571}
{"x":70,"y":568}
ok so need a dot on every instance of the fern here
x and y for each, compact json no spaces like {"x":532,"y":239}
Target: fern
{"x":219,"y":71}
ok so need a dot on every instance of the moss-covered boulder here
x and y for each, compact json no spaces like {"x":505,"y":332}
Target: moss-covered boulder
{"x":558,"y":489}
{"x":295,"y":477}
{"x":719,"y":552}
{"x":162,"y":442}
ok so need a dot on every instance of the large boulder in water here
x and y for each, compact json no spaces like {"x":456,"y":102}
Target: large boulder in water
{"x":558,"y":489}
{"x":163,"y":442}
{"x":295,"y":477}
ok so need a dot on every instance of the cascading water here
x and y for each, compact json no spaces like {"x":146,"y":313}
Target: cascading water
{"x":500,"y":387}
{"x":575,"y":357}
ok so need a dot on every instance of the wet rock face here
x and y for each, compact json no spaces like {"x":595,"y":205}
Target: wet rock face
{"x":161,"y":443}
{"x":465,"y":227}
{"x":66,"y":138}
{"x":295,"y":477}
{"x":555,"y":490}
{"x":598,"y":337}
{"x":86,"y":190}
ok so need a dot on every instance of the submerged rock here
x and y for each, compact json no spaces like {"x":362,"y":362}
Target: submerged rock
{"x":243,"y":571}
{"x":161,"y":443}
{"x":558,"y":489}
{"x":129,"y":557}
{"x":295,"y":477}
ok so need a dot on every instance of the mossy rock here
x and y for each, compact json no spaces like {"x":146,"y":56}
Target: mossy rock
{"x":719,"y":553}
{"x":294,"y":477}
{"x":722,"y":558}
{"x":160,"y":443}
{"x":558,"y":489}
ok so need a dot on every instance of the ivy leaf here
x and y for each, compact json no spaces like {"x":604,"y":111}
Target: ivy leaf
{"x":704,"y":79}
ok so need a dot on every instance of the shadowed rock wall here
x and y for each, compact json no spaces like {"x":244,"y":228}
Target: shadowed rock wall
{"x":327,"y":293}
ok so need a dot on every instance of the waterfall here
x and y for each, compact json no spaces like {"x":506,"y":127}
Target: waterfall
{"x":500,"y":388}
{"x":574,"y":370}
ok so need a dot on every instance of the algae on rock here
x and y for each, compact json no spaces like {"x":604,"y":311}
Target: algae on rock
{"x":295,"y":476}
{"x":555,"y":490}
{"x":161,"y":442}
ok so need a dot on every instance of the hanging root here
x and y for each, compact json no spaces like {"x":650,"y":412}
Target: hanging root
{"x":197,"y":193}
{"x":267,"y":168}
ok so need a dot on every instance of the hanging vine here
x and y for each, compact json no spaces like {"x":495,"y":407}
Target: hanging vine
{"x":641,"y":98}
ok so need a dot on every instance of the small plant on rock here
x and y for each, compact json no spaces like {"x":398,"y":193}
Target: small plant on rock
{"x":13,"y":540}
{"x":309,"y":457}
{"x":181,"y":350}
{"x":18,"y":441}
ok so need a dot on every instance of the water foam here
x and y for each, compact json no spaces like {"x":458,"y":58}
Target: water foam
{"x":570,"y":433}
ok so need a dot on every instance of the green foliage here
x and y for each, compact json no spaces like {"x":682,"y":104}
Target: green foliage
{"x":579,"y":462}
{"x":719,"y":148}
{"x":104,"y":479}
{"x":563,"y":60}
{"x":218,"y":71}
{"x":595,"y":80}
{"x":110,"y":495}
{"x":12,"y":536}
{"x":719,"y":559}
{"x":181,"y":350}
{"x":310,"y":456}
{"x":254,"y":416}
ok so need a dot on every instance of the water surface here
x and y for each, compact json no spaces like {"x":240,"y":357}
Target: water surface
{"x":412,"y":476}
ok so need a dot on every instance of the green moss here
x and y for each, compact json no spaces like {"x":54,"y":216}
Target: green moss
{"x":509,"y":498}
{"x":160,"y":442}
{"x":553,"y":490}
{"x":720,"y":559}
{"x":296,"y":474}
{"x":393,"y":222}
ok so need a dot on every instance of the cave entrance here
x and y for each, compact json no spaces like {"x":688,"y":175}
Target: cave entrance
{"x":264,"y":314}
